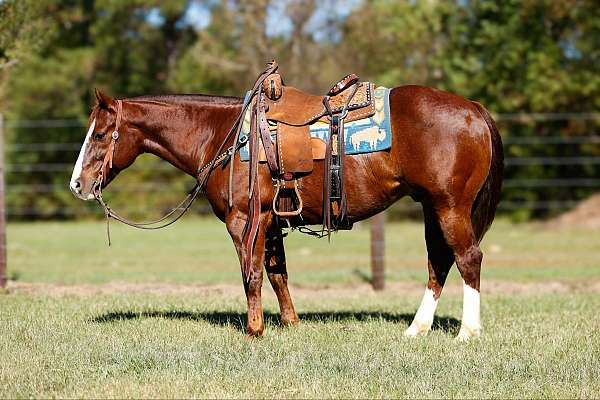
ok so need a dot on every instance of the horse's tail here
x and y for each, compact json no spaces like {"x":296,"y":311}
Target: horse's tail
{"x":486,"y":202}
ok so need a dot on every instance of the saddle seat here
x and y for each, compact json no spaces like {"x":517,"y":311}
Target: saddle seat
{"x":295,"y":107}
{"x":291,"y":111}
{"x":286,"y":114}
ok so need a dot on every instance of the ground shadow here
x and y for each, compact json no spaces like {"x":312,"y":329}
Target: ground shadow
{"x":238,"y":320}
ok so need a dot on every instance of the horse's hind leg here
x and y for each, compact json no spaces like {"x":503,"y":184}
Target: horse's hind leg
{"x":277,"y":273}
{"x":440,"y":260}
{"x":458,"y":231}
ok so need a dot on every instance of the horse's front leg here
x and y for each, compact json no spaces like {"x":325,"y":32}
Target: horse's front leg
{"x":277,"y":273}
{"x":236,"y":222}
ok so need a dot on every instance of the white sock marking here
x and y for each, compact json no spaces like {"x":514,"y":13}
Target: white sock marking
{"x":79,"y":164}
{"x":424,"y":316}
{"x":471,"y":324}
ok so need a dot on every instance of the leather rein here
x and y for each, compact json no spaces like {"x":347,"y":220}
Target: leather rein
{"x":220,"y":158}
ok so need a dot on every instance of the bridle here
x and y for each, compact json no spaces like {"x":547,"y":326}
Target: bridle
{"x":107,"y":165}
{"x":177,"y":211}
{"x":203,"y":173}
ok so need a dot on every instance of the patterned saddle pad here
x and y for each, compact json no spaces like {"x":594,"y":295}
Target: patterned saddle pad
{"x":362,"y":136}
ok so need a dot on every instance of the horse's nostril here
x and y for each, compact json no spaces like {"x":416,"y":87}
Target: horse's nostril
{"x":78,"y":185}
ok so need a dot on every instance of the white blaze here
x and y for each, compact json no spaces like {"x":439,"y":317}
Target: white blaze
{"x":424,"y":316}
{"x":79,"y":164}
{"x":471,"y":325}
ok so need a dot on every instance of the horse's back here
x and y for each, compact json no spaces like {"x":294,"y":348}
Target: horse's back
{"x":440,"y":145}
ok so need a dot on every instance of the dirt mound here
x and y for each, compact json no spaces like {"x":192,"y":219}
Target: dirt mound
{"x":586,"y":214}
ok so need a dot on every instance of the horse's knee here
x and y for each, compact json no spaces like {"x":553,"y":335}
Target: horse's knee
{"x":277,"y":279}
{"x":254,"y":284}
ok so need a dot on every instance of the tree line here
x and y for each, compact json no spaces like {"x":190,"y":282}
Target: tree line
{"x":527,"y":56}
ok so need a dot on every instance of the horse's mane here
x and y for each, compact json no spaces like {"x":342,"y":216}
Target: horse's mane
{"x":187,"y":98}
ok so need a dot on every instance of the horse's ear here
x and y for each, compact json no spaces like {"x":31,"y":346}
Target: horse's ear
{"x":104,"y":101}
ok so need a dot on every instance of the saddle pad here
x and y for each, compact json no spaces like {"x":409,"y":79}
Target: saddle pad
{"x":362,"y":136}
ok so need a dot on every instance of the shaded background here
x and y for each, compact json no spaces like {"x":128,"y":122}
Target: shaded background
{"x":534,"y":64}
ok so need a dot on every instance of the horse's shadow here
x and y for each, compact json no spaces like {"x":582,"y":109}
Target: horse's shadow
{"x":238,"y":319}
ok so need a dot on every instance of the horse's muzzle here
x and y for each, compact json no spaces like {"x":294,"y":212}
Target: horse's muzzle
{"x":76,"y":189}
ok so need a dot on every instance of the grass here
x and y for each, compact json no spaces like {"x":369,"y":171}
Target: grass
{"x":200,"y":251}
{"x":162,"y":315}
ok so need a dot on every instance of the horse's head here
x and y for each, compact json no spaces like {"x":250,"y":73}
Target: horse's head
{"x":111,"y":145}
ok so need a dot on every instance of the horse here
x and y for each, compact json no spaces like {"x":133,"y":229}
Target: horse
{"x":446,"y":154}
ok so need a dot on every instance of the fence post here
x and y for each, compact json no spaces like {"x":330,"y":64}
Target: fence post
{"x":378,"y":251}
{"x":2,"y":209}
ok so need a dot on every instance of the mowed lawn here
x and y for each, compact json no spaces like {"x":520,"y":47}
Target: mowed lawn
{"x":161,"y":314}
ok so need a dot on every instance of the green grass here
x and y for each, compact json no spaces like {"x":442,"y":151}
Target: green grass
{"x":149,"y":345}
{"x":112,"y":334}
{"x":200,"y":251}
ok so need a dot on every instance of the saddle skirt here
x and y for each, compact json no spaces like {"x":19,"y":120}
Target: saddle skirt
{"x":362,"y":134}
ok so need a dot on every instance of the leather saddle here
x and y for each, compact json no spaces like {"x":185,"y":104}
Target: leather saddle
{"x":280,"y":119}
{"x":284,"y":115}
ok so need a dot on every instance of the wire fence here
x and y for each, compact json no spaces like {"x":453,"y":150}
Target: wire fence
{"x":534,"y":156}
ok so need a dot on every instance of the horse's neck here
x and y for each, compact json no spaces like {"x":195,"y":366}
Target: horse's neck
{"x":190,"y":134}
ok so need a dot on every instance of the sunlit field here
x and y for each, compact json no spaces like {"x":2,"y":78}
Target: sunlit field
{"x":161,"y":314}
{"x":199,"y":251}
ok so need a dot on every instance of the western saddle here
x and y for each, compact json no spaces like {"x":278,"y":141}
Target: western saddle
{"x":280,"y":136}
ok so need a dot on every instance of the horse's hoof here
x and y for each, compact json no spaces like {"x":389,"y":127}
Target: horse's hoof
{"x":467,"y":333}
{"x":290,"y":321}
{"x":290,"y":324}
{"x":414,"y":330}
{"x":254,"y":332}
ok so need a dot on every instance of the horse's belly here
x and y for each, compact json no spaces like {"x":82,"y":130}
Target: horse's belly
{"x":371,"y":185}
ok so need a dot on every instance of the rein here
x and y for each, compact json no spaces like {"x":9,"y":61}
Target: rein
{"x":220,"y":158}
{"x":182,"y":207}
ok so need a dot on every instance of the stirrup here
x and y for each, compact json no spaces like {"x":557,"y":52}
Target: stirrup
{"x":287,"y":214}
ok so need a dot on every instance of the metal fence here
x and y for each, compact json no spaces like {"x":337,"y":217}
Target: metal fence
{"x":18,"y":156}
{"x":582,"y":160}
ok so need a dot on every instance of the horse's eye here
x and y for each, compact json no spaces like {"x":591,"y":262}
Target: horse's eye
{"x":99,"y":135}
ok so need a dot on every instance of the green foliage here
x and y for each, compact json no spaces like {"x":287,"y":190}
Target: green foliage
{"x":393,"y":42}
{"x":111,"y":45}
{"x":532,"y":56}
{"x":514,"y":57}
{"x":523,"y":56}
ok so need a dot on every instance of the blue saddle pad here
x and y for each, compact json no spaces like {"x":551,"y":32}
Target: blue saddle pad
{"x":362,"y":136}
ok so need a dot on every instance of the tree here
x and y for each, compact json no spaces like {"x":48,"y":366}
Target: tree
{"x":529,"y":56}
{"x":85,"y":44}
{"x":512,"y":56}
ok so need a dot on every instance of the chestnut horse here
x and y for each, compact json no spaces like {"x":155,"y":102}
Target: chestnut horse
{"x":446,"y":154}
